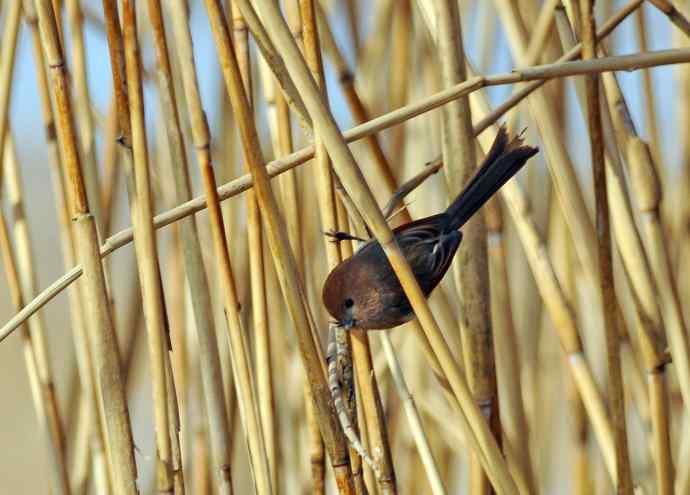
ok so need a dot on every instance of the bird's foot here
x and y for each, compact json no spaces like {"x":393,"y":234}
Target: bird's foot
{"x":338,"y":236}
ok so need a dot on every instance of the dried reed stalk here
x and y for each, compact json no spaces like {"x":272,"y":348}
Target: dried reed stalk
{"x":648,"y":316}
{"x":264,"y":369}
{"x":7,"y":59}
{"x":209,"y":361}
{"x":84,"y":116}
{"x":674,"y":15}
{"x":279,"y":244}
{"x":471,"y":268}
{"x":624,"y":484}
{"x":243,"y":377}
{"x":110,"y":390}
{"x":514,"y":420}
{"x":147,"y":253}
{"x":559,"y":308}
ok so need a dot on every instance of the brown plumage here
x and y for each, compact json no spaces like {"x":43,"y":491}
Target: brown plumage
{"x":363,"y":290}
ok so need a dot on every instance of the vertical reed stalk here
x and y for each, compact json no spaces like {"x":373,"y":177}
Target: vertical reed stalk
{"x":7,"y":58}
{"x":147,"y":254}
{"x":84,"y":115}
{"x":264,"y":369}
{"x":471,"y":270}
{"x":605,"y":256}
{"x":508,"y":353}
{"x":112,"y":401}
{"x":194,"y":268}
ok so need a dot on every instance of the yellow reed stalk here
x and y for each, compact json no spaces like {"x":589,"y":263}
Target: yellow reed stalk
{"x":84,"y":116}
{"x":279,"y":244}
{"x":471,"y":268}
{"x":514,"y":421}
{"x":147,"y":254}
{"x":264,"y":368}
{"x":112,"y":401}
{"x":8,"y":47}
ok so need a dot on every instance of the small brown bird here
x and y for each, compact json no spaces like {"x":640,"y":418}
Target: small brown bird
{"x":364,"y":292}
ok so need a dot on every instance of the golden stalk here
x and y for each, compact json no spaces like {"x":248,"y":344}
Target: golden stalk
{"x":83,"y":115}
{"x":264,"y":369}
{"x":218,"y":428}
{"x":514,"y":420}
{"x":361,"y":354}
{"x":110,"y":390}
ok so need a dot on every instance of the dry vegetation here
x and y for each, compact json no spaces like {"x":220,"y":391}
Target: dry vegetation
{"x":555,"y":358}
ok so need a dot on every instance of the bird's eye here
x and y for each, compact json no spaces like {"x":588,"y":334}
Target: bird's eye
{"x":349,"y":303}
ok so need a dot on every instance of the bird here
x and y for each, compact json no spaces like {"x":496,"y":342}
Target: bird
{"x":363,"y":291}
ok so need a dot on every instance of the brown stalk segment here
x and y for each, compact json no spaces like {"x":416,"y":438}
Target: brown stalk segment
{"x":84,"y":116}
{"x":557,"y":304}
{"x":264,"y":369}
{"x":317,"y":451}
{"x":7,"y":58}
{"x":675,"y":16}
{"x":239,"y":349}
{"x":113,"y":404}
{"x":515,"y":427}
{"x":605,"y":256}
{"x":147,"y":254}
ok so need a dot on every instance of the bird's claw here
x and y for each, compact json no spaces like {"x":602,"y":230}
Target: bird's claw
{"x":338,"y":236}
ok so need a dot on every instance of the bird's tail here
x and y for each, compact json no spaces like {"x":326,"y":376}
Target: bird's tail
{"x":505,"y":158}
